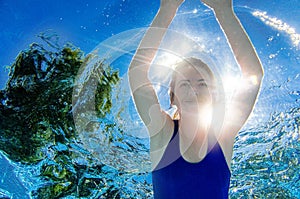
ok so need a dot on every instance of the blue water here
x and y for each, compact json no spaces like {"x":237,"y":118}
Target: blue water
{"x":266,"y":152}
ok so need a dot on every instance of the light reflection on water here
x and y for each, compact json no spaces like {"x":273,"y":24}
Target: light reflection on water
{"x":267,"y":159}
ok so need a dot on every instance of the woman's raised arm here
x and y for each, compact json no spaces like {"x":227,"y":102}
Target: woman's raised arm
{"x":244,"y":98}
{"x":142,"y":90}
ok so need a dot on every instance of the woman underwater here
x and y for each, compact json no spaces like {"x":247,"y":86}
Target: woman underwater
{"x":190,"y":157}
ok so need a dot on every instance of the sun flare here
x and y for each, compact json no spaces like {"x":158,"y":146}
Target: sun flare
{"x":167,"y":59}
{"x":205,"y":115}
{"x":229,"y":83}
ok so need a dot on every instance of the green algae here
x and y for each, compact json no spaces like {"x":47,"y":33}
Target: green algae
{"x":37,"y":125}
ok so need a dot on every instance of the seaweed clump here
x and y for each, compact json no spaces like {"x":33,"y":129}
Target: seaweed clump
{"x":36,"y":103}
{"x":37,"y":125}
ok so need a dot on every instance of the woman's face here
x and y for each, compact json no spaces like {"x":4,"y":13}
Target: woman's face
{"x":192,"y":89}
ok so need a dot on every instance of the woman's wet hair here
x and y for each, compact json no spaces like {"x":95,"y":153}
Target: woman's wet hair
{"x":197,"y":64}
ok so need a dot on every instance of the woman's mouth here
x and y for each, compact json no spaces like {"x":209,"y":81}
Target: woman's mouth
{"x":190,"y":101}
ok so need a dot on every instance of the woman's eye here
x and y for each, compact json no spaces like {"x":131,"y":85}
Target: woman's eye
{"x":184,"y":85}
{"x":202,"y":84}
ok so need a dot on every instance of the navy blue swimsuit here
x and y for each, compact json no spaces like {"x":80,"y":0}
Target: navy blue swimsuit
{"x":207,"y":179}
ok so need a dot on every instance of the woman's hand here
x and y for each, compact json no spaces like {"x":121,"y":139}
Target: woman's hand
{"x":218,"y":4}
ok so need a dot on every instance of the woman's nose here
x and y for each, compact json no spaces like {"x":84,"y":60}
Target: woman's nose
{"x":193,"y":91}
